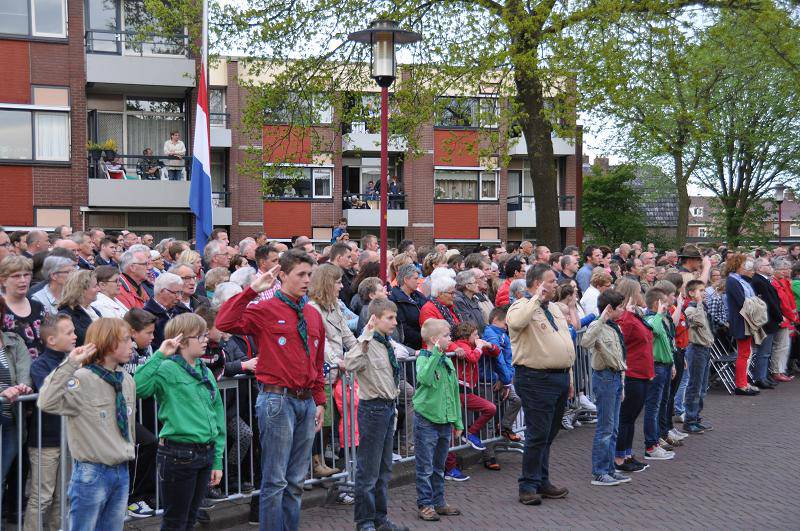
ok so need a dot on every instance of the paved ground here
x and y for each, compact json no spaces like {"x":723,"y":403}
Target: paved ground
{"x":743,"y":475}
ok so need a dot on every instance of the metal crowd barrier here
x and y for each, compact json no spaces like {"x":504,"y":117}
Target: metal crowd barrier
{"x":241,"y":474}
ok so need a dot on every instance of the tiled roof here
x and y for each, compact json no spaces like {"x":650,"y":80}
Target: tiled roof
{"x":660,"y":203}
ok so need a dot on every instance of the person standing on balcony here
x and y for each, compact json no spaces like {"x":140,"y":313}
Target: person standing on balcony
{"x":394,"y":192}
{"x":175,"y":150}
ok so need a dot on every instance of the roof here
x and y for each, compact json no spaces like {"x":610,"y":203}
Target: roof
{"x":659,"y":199}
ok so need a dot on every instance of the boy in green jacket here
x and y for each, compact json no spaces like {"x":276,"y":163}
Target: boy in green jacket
{"x":437,"y":411}
{"x":192,"y":439}
{"x":656,"y":301}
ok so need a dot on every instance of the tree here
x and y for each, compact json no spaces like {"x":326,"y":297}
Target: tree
{"x":612,"y":208}
{"x":513,"y":49}
{"x":754,"y":224}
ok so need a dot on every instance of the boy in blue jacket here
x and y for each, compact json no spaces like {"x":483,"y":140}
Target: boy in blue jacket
{"x":496,"y":333}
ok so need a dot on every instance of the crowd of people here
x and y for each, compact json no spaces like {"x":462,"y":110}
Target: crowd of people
{"x":105,"y":325}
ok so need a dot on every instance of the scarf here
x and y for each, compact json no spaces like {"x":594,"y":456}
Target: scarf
{"x":114,"y":379}
{"x":383,"y":340}
{"x":447,"y":315}
{"x":302,"y":327}
{"x":549,"y":315}
{"x":746,"y":286}
{"x":616,"y":329}
{"x":202,"y":378}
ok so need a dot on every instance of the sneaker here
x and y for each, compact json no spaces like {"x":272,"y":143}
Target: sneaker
{"x":345,"y":498}
{"x":577,"y":423}
{"x":604,"y":480}
{"x":566,"y":421}
{"x":693,"y":428}
{"x":705,"y":427}
{"x":658,"y":454}
{"x":455,"y":475}
{"x":388,"y":525}
{"x":474,"y":441}
{"x":492,"y":464}
{"x":622,"y":478}
{"x":665,"y":445}
{"x":140,"y":510}
{"x":626,"y":467}
{"x":586,"y":403}
{"x":677,"y":434}
{"x":638,"y":464}
{"x":673,"y":441}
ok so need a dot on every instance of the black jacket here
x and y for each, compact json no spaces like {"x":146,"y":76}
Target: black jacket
{"x":162,"y":317}
{"x":467,"y":310}
{"x":768,"y":293}
{"x":41,"y":367}
{"x":80,"y":319}
{"x":408,"y":315}
{"x":348,"y":275}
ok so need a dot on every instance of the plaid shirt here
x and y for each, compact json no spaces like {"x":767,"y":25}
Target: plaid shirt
{"x":717,"y":306}
{"x":267,"y":294}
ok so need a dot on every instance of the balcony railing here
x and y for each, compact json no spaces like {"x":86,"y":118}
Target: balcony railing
{"x":372,"y":201}
{"x":526,"y":202}
{"x":140,"y":167}
{"x":121,"y":42}
{"x":219,"y":119}
{"x":220,"y":199}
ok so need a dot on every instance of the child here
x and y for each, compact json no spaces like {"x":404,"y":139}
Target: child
{"x":192,"y":439}
{"x":58,"y":336}
{"x":99,"y":400}
{"x":436,"y":414}
{"x":143,"y":329}
{"x":496,"y":333}
{"x":339,"y":230}
{"x":373,"y":362}
{"x":604,"y":340}
{"x":698,"y":355}
{"x":657,"y":304}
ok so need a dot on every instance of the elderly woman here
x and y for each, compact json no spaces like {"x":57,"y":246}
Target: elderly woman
{"x":516,"y":290}
{"x":21,"y":315}
{"x":107,"y":304}
{"x":55,"y":270}
{"x":740,"y":269}
{"x":193,"y":260}
{"x":465,"y":300}
{"x":600,"y":281}
{"x":781,"y":281}
{"x":79,"y":293}
{"x":440,"y":305}
{"x":214,"y":278}
{"x":409,"y":302}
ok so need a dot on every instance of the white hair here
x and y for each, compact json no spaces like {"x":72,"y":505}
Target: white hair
{"x":245,"y":243}
{"x":167,"y":280}
{"x":441,"y":283}
{"x":54,"y":263}
{"x":223,"y":292}
{"x":243,"y":276}
{"x":212,"y":249}
{"x":517,"y":286}
{"x":128,"y":258}
{"x":140,"y":248}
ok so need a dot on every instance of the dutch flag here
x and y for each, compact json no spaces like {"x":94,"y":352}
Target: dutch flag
{"x":200,"y":188}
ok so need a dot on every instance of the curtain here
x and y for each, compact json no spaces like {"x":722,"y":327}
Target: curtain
{"x":456,"y":185}
{"x":151,"y":131}
{"x":109,"y":126}
{"x":488,"y":185}
{"x":52,"y":136}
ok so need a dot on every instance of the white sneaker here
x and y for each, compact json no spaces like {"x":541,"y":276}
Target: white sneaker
{"x":566,"y":421}
{"x":586,"y":403}
{"x":659,"y":454}
{"x":677,"y":434}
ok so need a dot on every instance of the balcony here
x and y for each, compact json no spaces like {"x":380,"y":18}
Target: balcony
{"x":363,"y":210}
{"x":117,"y":58}
{"x":220,"y":130}
{"x":367,"y":137}
{"x":139,"y":182}
{"x":522,"y":211}
{"x":517,"y":146}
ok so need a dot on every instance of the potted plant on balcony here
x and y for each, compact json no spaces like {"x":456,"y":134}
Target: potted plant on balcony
{"x":109,"y":148}
{"x":95,"y":150}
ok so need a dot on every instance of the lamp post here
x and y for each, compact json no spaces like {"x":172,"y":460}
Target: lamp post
{"x":780,"y":191}
{"x":383,"y":36}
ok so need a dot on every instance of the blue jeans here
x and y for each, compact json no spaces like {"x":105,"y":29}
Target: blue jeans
{"x":761,"y":361}
{"x":286,"y":428}
{"x":175,"y":175}
{"x":10,"y":445}
{"x":98,"y":497}
{"x":184,"y":471}
{"x":431,"y":442}
{"x":652,"y":403}
{"x":544,"y":395}
{"x":697,"y":358}
{"x":376,"y":422}
{"x":607,"y":388}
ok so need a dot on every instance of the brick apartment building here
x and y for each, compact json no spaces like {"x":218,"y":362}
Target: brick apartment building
{"x":89,"y":76}
{"x":701,"y":220}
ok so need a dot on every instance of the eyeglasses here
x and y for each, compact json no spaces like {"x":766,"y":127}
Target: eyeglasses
{"x":449,"y":292}
{"x":188,"y":278}
{"x":7,"y":244}
{"x":201,"y":337}
{"x":139,"y":263}
{"x":20,"y":276}
{"x":67,"y":272}
{"x":173,"y":292}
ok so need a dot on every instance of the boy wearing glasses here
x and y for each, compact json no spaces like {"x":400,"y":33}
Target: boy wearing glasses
{"x":192,"y":439}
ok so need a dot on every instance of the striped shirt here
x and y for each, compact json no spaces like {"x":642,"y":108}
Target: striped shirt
{"x":5,"y":381}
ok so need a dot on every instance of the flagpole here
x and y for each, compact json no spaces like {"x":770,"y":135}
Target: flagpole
{"x":205,"y":37}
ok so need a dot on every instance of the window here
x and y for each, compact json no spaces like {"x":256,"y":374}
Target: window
{"x":466,"y":112}
{"x":794,"y":230}
{"x":696,"y":212}
{"x":300,"y":109}
{"x":37,"y":18}
{"x":39,"y":131}
{"x":217,"y":108}
{"x":149,"y":123}
{"x":296,"y":182}
{"x":488,"y":185}
{"x":702,"y":232}
{"x":465,"y":185}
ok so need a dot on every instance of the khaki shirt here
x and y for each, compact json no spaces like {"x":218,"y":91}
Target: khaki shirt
{"x":89,"y":404}
{"x":604,"y":344}
{"x":369,"y":361}
{"x":534,"y":342}
{"x":699,"y":327}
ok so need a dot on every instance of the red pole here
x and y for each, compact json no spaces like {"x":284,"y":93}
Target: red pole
{"x":780,"y":219}
{"x":384,"y":175}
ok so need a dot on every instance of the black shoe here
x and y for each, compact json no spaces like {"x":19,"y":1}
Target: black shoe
{"x":203,"y":517}
{"x":638,"y":464}
{"x":745,"y":392}
{"x":205,"y":503}
{"x":254,"y":513}
{"x":763,"y":384}
{"x":388,"y":525}
{"x":772,"y":382}
{"x":626,"y":467}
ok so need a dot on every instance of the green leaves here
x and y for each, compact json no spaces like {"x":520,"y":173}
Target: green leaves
{"x":612,"y":208}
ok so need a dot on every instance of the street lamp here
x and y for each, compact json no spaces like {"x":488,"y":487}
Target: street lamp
{"x":780,"y":191}
{"x":383,"y":36}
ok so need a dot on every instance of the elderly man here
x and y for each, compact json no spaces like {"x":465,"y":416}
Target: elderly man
{"x":85,"y":250}
{"x":369,"y":242}
{"x":216,"y":254}
{"x":190,"y":300}
{"x":247,"y":248}
{"x":763,"y":288}
{"x":63,"y":232}
{"x":465,"y":302}
{"x":129,"y":239}
{"x":542,"y":254}
{"x":164,"y":304}
{"x":543,"y":354}
{"x":69,"y":245}
{"x":36,"y":241}
{"x":134,"y":266}
{"x":647,"y":258}
{"x":526,"y":250}
{"x":96,"y":235}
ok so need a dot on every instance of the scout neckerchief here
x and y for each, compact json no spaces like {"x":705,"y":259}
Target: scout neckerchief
{"x":202,"y":378}
{"x":383,"y":340}
{"x":544,"y":305}
{"x":114,"y":379}
{"x":302,"y":328}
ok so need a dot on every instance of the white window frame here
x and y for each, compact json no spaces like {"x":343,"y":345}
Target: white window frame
{"x":702,"y":232}
{"x":32,"y":111}
{"x":320,"y":170}
{"x":697,"y":212}
{"x":794,"y":230}
{"x":62,"y":35}
{"x":310,"y":169}
{"x":480,"y":185}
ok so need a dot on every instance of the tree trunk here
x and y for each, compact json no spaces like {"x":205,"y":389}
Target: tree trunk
{"x":683,"y":200}
{"x":733,"y":221}
{"x":539,"y":142}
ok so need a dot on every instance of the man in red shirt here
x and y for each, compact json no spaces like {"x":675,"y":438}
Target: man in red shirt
{"x":290,"y":406}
